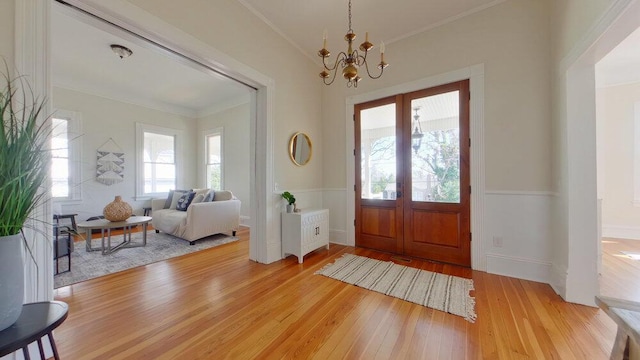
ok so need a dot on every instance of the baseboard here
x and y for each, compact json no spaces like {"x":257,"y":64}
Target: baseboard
{"x":338,"y":237}
{"x":245,"y":221}
{"x":520,"y":268}
{"x":621,"y":232}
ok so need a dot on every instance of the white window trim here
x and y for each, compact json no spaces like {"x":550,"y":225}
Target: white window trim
{"x":178,"y":134}
{"x":74,"y":132}
{"x":204,"y":151}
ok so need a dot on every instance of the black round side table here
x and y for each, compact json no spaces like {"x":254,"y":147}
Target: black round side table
{"x":37,"y":320}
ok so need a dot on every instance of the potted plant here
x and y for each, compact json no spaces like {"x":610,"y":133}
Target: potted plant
{"x":24,"y":167}
{"x":291,"y":201}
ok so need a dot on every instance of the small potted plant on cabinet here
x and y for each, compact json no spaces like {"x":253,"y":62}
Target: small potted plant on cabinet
{"x":291,"y":201}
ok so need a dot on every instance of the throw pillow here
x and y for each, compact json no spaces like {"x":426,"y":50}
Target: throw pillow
{"x":169,"y":201}
{"x":198,"y":199}
{"x":185,"y":200}
{"x":201,"y":191}
{"x":209,"y":196}
{"x":176,"y":196}
{"x":223,"y":195}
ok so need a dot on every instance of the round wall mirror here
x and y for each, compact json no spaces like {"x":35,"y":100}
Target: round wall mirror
{"x":300,"y":149}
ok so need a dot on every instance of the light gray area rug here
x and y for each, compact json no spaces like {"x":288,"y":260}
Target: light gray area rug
{"x":160,"y":246}
{"x":437,"y":291}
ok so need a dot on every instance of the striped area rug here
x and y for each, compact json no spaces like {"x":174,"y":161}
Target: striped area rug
{"x":437,"y":291}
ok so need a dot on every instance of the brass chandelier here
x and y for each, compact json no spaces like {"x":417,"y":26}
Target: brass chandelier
{"x":350,"y":61}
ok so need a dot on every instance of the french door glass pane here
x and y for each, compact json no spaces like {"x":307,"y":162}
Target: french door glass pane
{"x":435,"y":156}
{"x":378,"y":152}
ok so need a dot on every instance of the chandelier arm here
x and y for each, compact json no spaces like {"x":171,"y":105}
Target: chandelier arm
{"x":333,"y":78}
{"x":366,"y":66}
{"x":360,"y":60}
{"x":341,"y":56}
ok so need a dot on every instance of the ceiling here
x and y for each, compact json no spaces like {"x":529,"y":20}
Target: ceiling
{"x":82,"y":60}
{"x":303,"y":22}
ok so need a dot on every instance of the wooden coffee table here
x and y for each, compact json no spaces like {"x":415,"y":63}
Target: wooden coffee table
{"x":105,"y":226}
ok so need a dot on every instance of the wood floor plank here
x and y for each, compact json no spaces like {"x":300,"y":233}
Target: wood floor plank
{"x":218,"y":304}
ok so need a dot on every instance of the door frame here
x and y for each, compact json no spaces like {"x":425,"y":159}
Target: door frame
{"x":475,"y":74}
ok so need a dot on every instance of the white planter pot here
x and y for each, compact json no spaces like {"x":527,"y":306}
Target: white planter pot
{"x":11,"y":280}
{"x":289,"y":208}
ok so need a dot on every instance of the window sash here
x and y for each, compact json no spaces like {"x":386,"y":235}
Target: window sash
{"x":214,"y":159}
{"x":158,"y":167}
{"x":65,"y":156}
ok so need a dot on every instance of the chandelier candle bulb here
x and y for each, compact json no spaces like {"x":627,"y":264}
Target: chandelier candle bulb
{"x":382,"y":47}
{"x":324,"y":39}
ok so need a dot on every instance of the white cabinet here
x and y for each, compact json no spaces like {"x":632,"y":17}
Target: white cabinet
{"x":304,"y":232}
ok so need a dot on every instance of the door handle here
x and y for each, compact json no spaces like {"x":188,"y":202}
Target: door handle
{"x":398,"y":190}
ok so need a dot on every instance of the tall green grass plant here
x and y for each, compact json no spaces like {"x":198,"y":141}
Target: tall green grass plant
{"x":24,"y":155}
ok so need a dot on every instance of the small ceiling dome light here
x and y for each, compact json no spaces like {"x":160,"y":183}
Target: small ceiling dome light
{"x":121,"y":51}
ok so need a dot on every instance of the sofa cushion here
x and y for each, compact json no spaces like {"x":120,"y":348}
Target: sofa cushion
{"x":223,"y":195}
{"x":185,"y":200}
{"x":168,"y":220}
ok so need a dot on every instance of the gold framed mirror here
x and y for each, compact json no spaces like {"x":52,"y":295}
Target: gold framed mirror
{"x":300,"y":149}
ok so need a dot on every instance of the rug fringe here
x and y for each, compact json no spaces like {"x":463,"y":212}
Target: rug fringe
{"x":471,"y":314}
{"x":471,"y":305}
{"x":319,"y":272}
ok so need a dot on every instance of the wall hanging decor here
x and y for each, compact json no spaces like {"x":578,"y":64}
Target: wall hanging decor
{"x":110,"y":164}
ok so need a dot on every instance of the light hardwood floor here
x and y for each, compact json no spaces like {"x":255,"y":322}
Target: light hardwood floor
{"x":620,"y":275}
{"x":218,"y":304}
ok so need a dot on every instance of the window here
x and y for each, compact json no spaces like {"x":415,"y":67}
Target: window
{"x":213,"y":153}
{"x":65,"y":156}
{"x":156,"y":157}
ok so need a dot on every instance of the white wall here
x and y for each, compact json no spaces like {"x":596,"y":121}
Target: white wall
{"x":620,"y":216}
{"x":7,"y":35}
{"x":518,"y":229}
{"x":236,"y":152}
{"x":104,"y":118}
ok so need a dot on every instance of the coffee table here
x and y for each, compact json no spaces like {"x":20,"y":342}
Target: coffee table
{"x":105,"y":226}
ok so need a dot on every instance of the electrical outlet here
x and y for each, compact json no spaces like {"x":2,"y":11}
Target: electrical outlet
{"x":497,"y":241}
{"x":276,"y":187}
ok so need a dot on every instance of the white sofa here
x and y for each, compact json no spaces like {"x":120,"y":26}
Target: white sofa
{"x":201,"y":219}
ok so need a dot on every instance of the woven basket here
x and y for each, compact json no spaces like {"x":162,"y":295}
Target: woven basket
{"x":117,"y":210}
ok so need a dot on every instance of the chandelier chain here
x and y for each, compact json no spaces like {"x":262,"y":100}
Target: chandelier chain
{"x":350,"y":29}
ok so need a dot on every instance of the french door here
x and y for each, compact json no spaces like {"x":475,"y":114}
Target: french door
{"x":412,"y":174}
